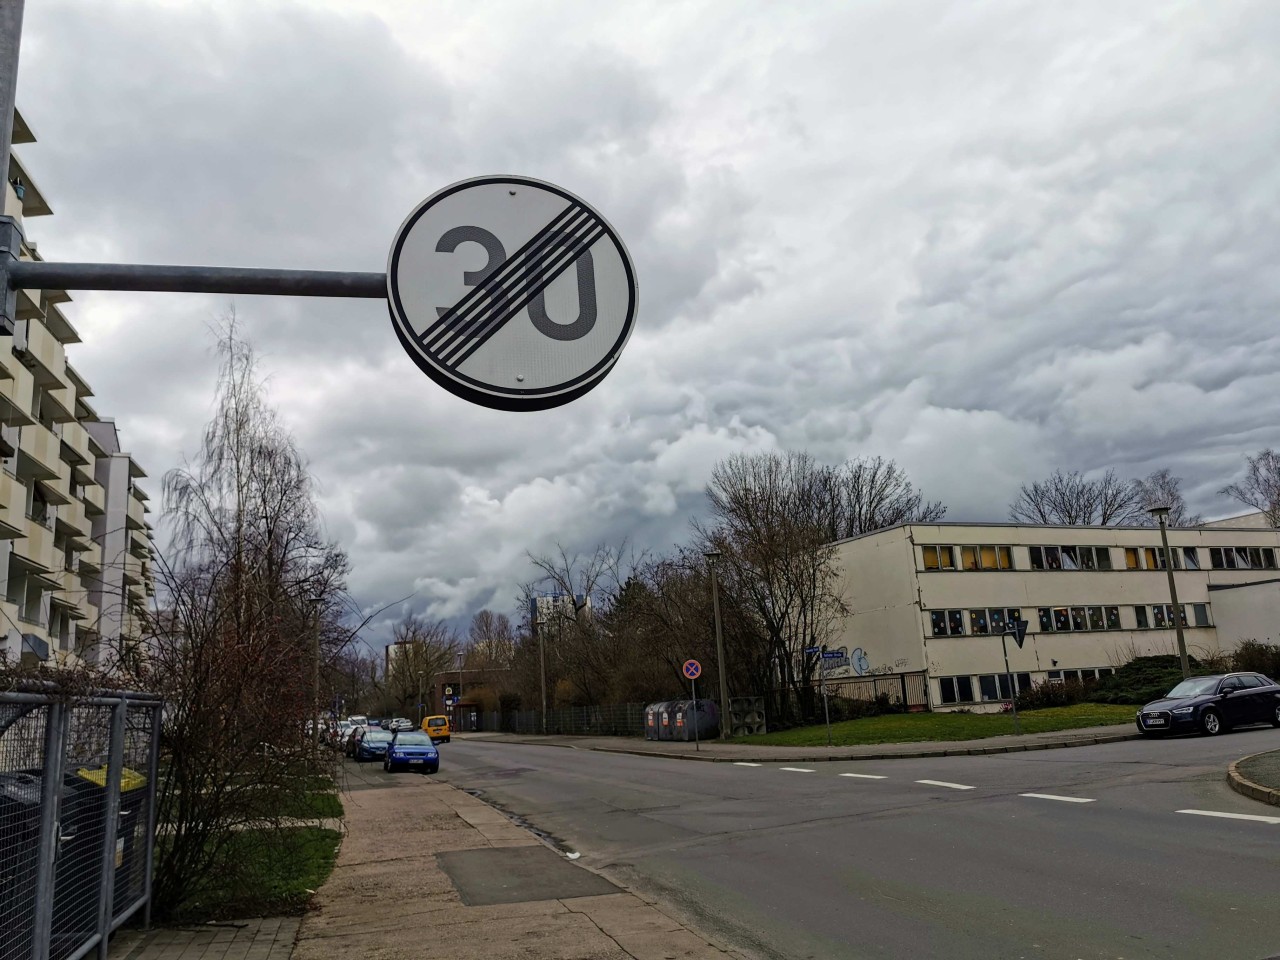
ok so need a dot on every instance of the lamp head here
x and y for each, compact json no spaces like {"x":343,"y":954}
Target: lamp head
{"x":711,"y":555}
{"x":1160,"y":511}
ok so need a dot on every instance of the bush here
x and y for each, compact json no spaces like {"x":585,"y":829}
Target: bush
{"x":1141,"y":680}
{"x":1256,"y":657}
{"x":1061,"y":693}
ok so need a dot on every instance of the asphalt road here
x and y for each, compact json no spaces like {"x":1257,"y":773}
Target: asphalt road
{"x":809,"y":860}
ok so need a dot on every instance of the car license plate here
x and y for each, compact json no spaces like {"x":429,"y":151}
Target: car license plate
{"x":415,"y":761}
{"x":1155,"y":721}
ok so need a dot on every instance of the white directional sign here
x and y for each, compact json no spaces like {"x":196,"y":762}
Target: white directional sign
{"x":511,"y":293}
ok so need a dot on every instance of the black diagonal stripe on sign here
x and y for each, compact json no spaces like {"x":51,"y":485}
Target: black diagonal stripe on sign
{"x":500,"y":309}
{"x":558,"y":266}
{"x":478,"y":316}
{"x":490,"y":295}
{"x":524,"y":289}
{"x":478,"y":292}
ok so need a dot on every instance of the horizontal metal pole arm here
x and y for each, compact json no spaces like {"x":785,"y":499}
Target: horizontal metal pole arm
{"x":43,"y":275}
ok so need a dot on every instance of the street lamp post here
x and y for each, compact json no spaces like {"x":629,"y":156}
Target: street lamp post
{"x":712,"y":556}
{"x":1161,"y":513}
{"x":539,"y":625}
{"x":457,"y":701}
{"x":315,"y":669}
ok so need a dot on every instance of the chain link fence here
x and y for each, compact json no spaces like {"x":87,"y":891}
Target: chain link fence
{"x":611,"y":720}
{"x":77,"y":825}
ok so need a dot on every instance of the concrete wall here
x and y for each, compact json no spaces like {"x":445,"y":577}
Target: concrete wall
{"x":1248,"y":612}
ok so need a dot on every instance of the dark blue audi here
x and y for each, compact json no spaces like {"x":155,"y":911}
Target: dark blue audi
{"x":411,"y":750}
{"x":372,"y":746}
{"x":1212,"y":705}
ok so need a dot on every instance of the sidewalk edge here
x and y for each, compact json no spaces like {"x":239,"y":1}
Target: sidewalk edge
{"x":1246,"y":787}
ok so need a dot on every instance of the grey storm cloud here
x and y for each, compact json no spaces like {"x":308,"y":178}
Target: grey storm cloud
{"x":987,"y":240}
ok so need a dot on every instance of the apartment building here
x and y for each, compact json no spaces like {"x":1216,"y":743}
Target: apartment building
{"x":75,"y":545}
{"x":935,"y":598}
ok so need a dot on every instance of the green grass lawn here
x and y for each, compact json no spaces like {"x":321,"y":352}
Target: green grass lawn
{"x":917,"y":727}
{"x":314,"y":806}
{"x":269,"y":873}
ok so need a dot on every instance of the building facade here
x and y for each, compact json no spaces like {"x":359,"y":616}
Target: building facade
{"x":75,"y":545}
{"x":936,"y":597}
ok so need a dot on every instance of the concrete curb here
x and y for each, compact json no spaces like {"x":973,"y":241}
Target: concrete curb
{"x":1063,"y":743}
{"x":1246,"y":787}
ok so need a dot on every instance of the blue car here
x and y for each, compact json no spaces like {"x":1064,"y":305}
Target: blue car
{"x":372,"y":746}
{"x":411,"y":750}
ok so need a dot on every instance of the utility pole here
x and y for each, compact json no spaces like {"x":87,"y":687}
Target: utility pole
{"x":458,"y":700}
{"x":539,"y":626}
{"x":712,"y":556}
{"x":1161,"y":513}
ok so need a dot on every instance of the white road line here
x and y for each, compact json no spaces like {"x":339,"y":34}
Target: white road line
{"x":864,"y":776}
{"x":1054,"y":796}
{"x":1231,"y":816}
{"x":797,"y":769}
{"x":943,"y":783}
{"x":743,"y":763}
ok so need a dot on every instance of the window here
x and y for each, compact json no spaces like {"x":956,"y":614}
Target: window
{"x":1113,"y":617}
{"x":1096,"y":621}
{"x":969,"y":558}
{"x":1052,"y":558}
{"x":1061,"y":619}
{"x":1242,"y":558}
{"x":1156,"y":561}
{"x":1078,"y":621}
{"x":986,"y":557}
{"x":996,"y":616}
{"x":1201,"y":612}
{"x":1055,"y":676}
{"x":1024,"y":681}
{"x":964,"y":689}
{"x":987,"y":687}
{"x":1268,"y":558}
{"x":977,"y":621}
{"x":947,"y":689}
{"x":1191,"y":558}
{"x":1182,"y":609}
{"x":1006,"y":692}
{"x":1095,"y":558}
{"x":1141,"y":614}
{"x":947,"y":623}
{"x":1037,"y":557}
{"x":1070,"y":558}
{"x":1131,"y":560}
{"x":1049,"y":558}
{"x":939,"y":558}
{"x":1158,"y":616}
{"x":1012,"y":615}
{"x":1249,"y":680}
{"x":1046,"y":619}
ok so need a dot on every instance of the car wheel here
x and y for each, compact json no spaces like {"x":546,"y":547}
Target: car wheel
{"x":1275,"y":716}
{"x":1211,"y":723}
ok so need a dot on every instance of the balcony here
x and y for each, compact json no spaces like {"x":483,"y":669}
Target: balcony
{"x":32,"y":202}
{"x":70,"y":595}
{"x":38,"y":453}
{"x":72,"y":522}
{"x":13,"y":501}
{"x":95,"y":500}
{"x":91,"y":559}
{"x":133,"y":571}
{"x":18,"y":388}
{"x":43,"y":354}
{"x":140,"y":544}
{"x":36,"y":547}
{"x":135,"y":519}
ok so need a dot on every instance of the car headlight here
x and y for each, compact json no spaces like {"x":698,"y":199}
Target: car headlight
{"x":1183,"y":709}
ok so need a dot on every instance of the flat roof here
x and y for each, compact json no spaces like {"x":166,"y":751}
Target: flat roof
{"x":1008,"y":525}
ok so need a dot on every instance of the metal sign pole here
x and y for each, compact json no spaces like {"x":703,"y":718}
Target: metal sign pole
{"x":826,"y":707}
{"x":693,"y":689}
{"x":1013,"y":694}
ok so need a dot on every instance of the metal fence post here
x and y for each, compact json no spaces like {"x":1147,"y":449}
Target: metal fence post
{"x":153,"y":784}
{"x":115,"y":760}
{"x":50,"y":801}
{"x":902,"y":678}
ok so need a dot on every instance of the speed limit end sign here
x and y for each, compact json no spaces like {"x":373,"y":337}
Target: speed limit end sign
{"x":511,"y":292}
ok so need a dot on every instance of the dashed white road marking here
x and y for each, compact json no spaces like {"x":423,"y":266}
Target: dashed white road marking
{"x":743,"y":763}
{"x":1054,"y":796}
{"x":864,"y":776}
{"x":1231,"y":816}
{"x":944,"y":783}
{"x":797,"y":769}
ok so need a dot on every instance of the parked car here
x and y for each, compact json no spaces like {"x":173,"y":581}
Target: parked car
{"x":1213,"y":705}
{"x":399,"y":723}
{"x":413,"y":750}
{"x":358,"y":720}
{"x":437,"y":728}
{"x":373,"y":745}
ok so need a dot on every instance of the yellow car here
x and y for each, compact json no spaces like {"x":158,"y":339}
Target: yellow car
{"x":437,"y":728}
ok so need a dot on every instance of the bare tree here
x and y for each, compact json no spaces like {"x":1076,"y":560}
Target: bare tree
{"x":1162,"y":488}
{"x":868,"y":494}
{"x":253,"y":605}
{"x":1260,"y":487}
{"x":491,"y":641}
{"x":1071,"y":499}
{"x":425,"y":649}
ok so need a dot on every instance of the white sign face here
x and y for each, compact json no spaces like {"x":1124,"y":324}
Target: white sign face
{"x":511,"y":293}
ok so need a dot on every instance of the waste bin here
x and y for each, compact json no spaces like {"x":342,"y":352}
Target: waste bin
{"x":131,"y":836}
{"x":651,"y":721}
{"x":701,"y":714}
{"x":667,"y":720}
{"x":19,"y":853}
{"x":77,"y":885}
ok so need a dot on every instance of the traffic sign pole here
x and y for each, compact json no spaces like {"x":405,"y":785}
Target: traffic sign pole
{"x":693,"y":689}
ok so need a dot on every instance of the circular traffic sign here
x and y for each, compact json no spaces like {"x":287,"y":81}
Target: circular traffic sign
{"x":511,"y":292}
{"x":692,"y":669}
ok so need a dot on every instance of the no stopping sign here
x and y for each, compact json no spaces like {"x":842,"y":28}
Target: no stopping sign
{"x":511,"y":292}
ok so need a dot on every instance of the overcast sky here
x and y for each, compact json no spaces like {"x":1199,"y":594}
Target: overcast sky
{"x":985,"y":239}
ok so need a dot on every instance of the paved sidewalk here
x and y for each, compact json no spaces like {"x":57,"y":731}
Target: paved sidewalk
{"x":715,"y":751}
{"x":420,"y":874}
{"x":259,"y":939}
